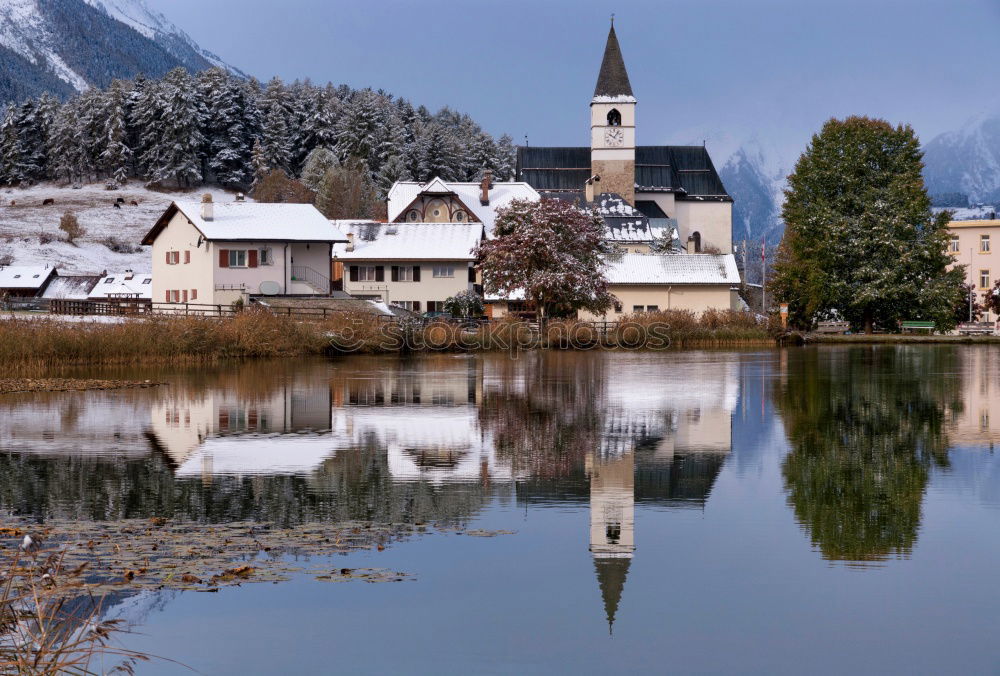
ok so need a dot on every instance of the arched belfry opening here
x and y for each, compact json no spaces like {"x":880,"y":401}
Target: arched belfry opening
{"x":614,"y":118}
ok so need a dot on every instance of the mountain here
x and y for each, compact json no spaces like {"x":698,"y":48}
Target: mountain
{"x":156,"y":27}
{"x":966,"y":161}
{"x":66,"y":46}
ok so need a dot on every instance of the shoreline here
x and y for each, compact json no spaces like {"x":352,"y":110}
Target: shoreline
{"x":894,"y":339}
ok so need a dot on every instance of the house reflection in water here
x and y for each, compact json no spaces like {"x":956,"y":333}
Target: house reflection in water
{"x":612,"y":525}
{"x":977,"y":421}
{"x":232,"y":430}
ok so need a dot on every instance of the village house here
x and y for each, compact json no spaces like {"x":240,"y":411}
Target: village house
{"x":975,"y":244}
{"x":224,"y":253}
{"x":71,"y":287}
{"x":25,"y":281}
{"x":438,"y":201}
{"x":678,"y":183}
{"x":416,"y":266}
{"x":123,"y":286}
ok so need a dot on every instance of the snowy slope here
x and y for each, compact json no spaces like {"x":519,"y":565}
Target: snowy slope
{"x":966,"y":160}
{"x":25,"y":31}
{"x":153,"y":25}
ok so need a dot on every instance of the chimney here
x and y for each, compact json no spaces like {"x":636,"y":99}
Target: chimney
{"x":240,"y":197}
{"x":207,"y":208}
{"x":486,"y":184}
{"x":350,"y":242}
{"x":691,"y":246}
{"x":588,"y":187}
{"x":129,"y":274}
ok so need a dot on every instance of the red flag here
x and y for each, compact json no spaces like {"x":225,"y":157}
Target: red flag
{"x":761,"y":252}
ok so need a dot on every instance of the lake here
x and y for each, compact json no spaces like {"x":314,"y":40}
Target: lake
{"x":806,"y":510}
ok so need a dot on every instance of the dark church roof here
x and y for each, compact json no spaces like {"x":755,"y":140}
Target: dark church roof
{"x":686,"y":171}
{"x":613,"y":78}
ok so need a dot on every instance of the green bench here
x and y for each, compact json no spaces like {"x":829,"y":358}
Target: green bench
{"x":910,"y":326}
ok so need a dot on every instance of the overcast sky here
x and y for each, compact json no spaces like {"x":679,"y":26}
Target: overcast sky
{"x":720,"y":70}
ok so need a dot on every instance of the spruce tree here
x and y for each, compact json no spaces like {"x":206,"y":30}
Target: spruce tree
{"x":116,"y":156}
{"x":861,"y":241}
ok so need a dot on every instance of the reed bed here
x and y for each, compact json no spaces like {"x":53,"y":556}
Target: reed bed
{"x":259,"y":334}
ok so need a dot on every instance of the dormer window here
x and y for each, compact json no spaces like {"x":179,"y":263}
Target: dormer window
{"x":614,"y":118}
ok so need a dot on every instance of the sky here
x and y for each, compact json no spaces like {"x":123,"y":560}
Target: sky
{"x":726,"y":72}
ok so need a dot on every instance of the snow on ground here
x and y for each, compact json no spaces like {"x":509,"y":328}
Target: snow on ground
{"x":979,"y":212}
{"x":25,"y":223}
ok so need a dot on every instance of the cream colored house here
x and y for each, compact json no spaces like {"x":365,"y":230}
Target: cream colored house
{"x":438,"y":201}
{"x":207,"y":253}
{"x":416,"y":266}
{"x":975,"y":244}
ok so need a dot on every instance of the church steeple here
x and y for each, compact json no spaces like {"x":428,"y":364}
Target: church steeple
{"x":613,"y":79}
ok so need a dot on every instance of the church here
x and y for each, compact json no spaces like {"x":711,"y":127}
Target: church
{"x":675,"y":186}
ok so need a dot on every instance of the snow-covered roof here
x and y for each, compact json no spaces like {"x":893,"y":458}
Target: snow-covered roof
{"x":24,"y":276}
{"x":672,"y":269}
{"x":71,"y":287}
{"x":409,"y":241}
{"x":502,"y":193}
{"x":253,"y":221}
{"x":124,"y":285}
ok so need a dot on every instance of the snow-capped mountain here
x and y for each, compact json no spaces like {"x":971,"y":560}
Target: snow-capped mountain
{"x":966,"y":161}
{"x":66,"y":46}
{"x":756,"y":180}
{"x":156,"y":27}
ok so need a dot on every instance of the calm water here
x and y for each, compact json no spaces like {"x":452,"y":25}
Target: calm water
{"x":800,"y":511}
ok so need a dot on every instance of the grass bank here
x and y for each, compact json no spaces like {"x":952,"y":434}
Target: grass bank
{"x":253,"y":334}
{"x":894,"y":339}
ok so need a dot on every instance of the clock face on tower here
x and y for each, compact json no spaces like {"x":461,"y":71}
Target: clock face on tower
{"x":614,"y":137}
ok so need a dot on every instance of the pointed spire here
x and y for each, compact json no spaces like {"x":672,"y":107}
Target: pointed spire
{"x":611,"y":574}
{"x":613,"y":78}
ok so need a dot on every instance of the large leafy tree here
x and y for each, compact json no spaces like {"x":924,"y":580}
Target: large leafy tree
{"x":861,"y":241}
{"x":551,"y":250}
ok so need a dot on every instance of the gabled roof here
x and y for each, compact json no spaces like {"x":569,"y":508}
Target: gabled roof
{"x":253,"y":221}
{"x":118,"y":285}
{"x":71,"y":287}
{"x":28,"y":277}
{"x":409,"y":241}
{"x":676,"y":269}
{"x":686,"y":171}
{"x":612,"y":81}
{"x":404,"y":193}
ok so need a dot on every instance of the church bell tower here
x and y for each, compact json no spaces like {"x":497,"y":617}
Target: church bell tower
{"x":612,"y":125}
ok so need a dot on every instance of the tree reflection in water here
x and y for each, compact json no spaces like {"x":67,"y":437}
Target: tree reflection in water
{"x":865,"y":424}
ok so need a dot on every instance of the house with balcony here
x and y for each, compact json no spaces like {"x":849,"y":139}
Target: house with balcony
{"x":217,"y":254}
{"x":416,"y":266}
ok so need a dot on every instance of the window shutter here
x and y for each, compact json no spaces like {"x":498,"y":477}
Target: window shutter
{"x":187,"y":256}
{"x":354,"y":273}
{"x":223,"y":258}
{"x":194,"y":294}
{"x":416,"y":273}
{"x":472,"y":275}
{"x":167,"y":294}
{"x":379,"y":273}
{"x":168,"y":257}
{"x":252,"y":258}
{"x":395,"y":273}
{"x":185,"y":295}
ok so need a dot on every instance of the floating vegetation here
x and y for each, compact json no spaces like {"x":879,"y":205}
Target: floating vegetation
{"x":12,"y":385}
{"x":159,"y":554}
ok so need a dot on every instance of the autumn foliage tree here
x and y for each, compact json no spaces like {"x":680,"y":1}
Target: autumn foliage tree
{"x":551,"y":250}
{"x":70,"y":225}
{"x":276,"y":186}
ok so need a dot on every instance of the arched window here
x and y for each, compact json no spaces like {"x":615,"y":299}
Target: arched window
{"x":614,"y":118}
{"x":696,"y":237}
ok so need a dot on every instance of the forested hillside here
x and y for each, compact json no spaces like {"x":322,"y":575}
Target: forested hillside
{"x":214,"y":127}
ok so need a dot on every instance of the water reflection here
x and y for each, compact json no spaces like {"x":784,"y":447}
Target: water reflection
{"x":865,"y":426}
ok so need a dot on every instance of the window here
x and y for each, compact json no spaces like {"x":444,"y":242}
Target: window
{"x":266,"y":257}
{"x":237,"y":258}
{"x":984,"y":279}
{"x":148,"y":280}
{"x":637,"y":308}
{"x":412,"y":305}
{"x":444,"y":270}
{"x":954,"y":244}
{"x":173,"y":257}
{"x":614,"y":118}
{"x":404,"y":273}
{"x":652,"y":308}
{"x":435,"y":306}
{"x":413,"y":216}
{"x":984,"y":244}
{"x":459,"y":216}
{"x":618,"y":307}
{"x":366,"y":273}
{"x":109,"y":280}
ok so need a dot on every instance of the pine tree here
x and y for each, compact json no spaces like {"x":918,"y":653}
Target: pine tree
{"x":504,"y":163}
{"x":258,"y":163}
{"x":319,"y":161}
{"x":10,"y":148}
{"x":116,"y":156}
{"x":178,"y":141}
{"x":275,"y":141}
{"x":393,"y":170}
{"x":226,"y":132}
{"x":861,"y":242}
{"x":436,"y":153}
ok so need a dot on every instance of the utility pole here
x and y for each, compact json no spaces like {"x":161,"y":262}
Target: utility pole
{"x":763,"y":281}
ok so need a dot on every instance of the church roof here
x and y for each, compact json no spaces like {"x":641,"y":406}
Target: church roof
{"x":611,"y":574}
{"x":612,"y":81}
{"x":686,"y":171}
